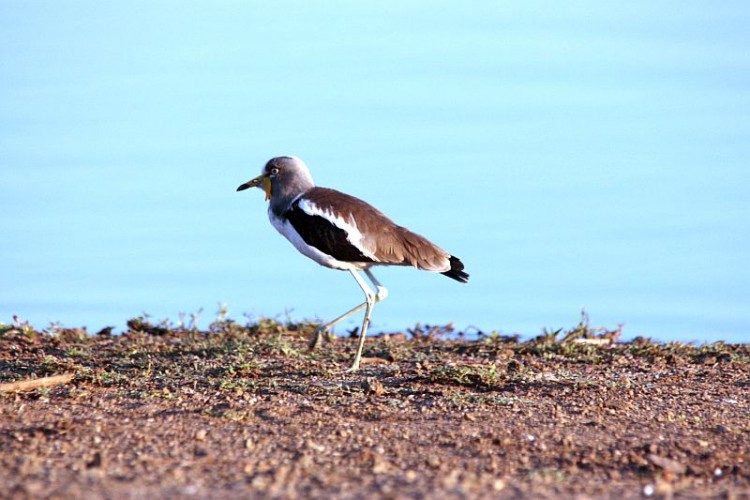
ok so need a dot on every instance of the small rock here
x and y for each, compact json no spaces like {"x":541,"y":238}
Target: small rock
{"x":96,"y":461}
{"x":664,"y":489}
{"x":305,"y":462}
{"x":312,"y":445}
{"x":201,"y":435}
{"x":260,"y":482}
{"x":380,"y":466}
{"x":190,"y":490}
{"x":450,"y":480}
{"x":498,"y":485}
{"x":667,"y":464}
{"x":374,"y":386}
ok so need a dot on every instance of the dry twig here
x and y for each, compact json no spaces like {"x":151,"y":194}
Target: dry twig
{"x":30,"y":385}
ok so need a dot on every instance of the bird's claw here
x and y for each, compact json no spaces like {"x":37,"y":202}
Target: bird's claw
{"x":321,"y":333}
{"x":352,"y":369}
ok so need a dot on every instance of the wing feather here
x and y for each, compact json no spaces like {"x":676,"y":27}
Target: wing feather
{"x":325,"y":232}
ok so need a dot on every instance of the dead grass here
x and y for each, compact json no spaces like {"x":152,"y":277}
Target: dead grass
{"x":246,"y":410}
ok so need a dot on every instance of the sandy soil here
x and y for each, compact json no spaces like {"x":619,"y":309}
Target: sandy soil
{"x":248,"y":411}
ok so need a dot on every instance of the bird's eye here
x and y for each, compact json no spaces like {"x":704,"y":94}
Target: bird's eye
{"x":274,"y":170}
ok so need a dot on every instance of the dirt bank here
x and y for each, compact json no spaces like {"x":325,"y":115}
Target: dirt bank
{"x":247,"y":411}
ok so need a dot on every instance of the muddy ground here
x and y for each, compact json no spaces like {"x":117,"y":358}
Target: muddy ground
{"x":248,"y":411}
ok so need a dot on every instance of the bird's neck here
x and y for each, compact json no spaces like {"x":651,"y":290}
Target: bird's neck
{"x":280,"y":204}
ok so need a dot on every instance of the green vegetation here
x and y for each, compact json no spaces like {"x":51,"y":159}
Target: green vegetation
{"x":229,"y":356}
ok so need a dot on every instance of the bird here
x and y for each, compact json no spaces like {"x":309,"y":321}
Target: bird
{"x":342,"y":232}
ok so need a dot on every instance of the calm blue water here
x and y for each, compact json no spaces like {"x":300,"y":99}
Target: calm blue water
{"x":572,"y":155}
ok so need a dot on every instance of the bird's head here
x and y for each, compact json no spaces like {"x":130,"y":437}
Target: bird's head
{"x":282,"y":177}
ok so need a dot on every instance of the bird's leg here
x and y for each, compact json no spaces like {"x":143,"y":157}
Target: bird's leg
{"x":382,"y":293}
{"x":321,"y":330}
{"x":369,"y":302}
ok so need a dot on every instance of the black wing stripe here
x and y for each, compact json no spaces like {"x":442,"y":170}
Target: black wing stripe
{"x":319,"y":232}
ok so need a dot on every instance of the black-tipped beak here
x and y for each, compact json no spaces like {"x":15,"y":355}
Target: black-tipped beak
{"x":261,"y":181}
{"x":252,"y":183}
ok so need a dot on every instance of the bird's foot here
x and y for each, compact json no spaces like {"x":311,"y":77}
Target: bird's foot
{"x":319,"y":335}
{"x":352,"y":369}
{"x":355,"y":364}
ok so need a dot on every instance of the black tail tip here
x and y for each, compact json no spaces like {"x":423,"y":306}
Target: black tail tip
{"x":457,"y":270}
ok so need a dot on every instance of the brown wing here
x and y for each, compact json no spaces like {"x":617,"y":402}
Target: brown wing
{"x":383,"y":239}
{"x":322,"y":233}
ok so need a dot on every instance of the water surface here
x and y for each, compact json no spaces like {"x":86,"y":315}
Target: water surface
{"x":577,"y":155}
